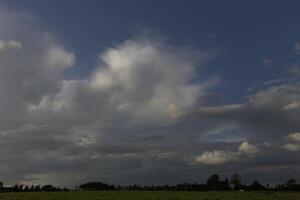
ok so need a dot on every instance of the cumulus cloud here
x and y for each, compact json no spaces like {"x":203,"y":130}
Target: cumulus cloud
{"x":133,"y":110}
{"x":31,"y":66}
{"x":270,"y":111}
{"x":220,"y":156}
{"x":138,"y":88}
{"x":9,"y":44}
{"x":248,"y":148}
{"x":294,"y":137}
{"x":292,"y":147}
{"x":216,"y":157}
{"x":268,"y":114}
{"x":143,"y":80}
{"x":163,"y":91}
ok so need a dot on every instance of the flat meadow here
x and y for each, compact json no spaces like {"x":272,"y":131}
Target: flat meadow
{"x":153,"y":195}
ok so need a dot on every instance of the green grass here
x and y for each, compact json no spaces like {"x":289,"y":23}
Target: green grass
{"x":152,"y":196}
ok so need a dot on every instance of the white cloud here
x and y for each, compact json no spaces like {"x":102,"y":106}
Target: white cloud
{"x":58,"y":58}
{"x":219,"y":156}
{"x":292,"y":105}
{"x":247,"y":148}
{"x":295,"y":146}
{"x":292,"y":147}
{"x":271,"y":82}
{"x":152,"y":77}
{"x":145,"y":80}
{"x":216,"y":157}
{"x":9,"y":44}
{"x":294,"y":137}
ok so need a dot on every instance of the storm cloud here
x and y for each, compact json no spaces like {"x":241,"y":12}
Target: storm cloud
{"x":143,"y":114}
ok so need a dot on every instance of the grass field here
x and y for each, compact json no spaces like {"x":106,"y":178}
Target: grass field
{"x":152,"y":196}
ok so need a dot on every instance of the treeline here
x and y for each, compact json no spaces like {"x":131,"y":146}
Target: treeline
{"x":32,"y":188}
{"x":212,"y":184}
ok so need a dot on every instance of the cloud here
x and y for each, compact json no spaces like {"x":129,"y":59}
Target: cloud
{"x":31,"y":66}
{"x":9,"y":44}
{"x":217,"y":157}
{"x":267,"y":61}
{"x":295,"y":70}
{"x":119,"y":88}
{"x":297,"y":47}
{"x":292,"y":147}
{"x":271,"y":82}
{"x":294,"y":136}
{"x":260,"y":114}
{"x":92,"y":126}
{"x":269,"y":114}
{"x":248,"y":148}
{"x":139,"y":117}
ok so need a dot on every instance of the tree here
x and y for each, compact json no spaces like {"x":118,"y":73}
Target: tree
{"x":49,"y":188}
{"x":26,"y":188}
{"x":291,"y":184}
{"x":226,"y":184}
{"x":98,"y":186}
{"x":257,"y":186}
{"x":37,"y":188}
{"x":236,"y":181}
{"x":213,"y":182}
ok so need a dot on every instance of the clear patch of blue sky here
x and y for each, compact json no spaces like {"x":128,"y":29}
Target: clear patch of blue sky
{"x":242,"y":32}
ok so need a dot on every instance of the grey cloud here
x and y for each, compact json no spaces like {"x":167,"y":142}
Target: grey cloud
{"x":292,"y":147}
{"x":9,"y":44}
{"x":51,"y":128}
{"x":267,"y":61}
{"x":126,"y":121}
{"x":271,"y":111}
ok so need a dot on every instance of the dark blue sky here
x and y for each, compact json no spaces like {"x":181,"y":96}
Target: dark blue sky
{"x":243,"y":33}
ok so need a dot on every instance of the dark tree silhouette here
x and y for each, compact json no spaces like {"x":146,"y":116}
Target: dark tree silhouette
{"x":49,"y":188}
{"x":256,"y":186}
{"x":97,"y":186}
{"x":236,"y":181}
{"x":291,"y":185}
{"x":213,"y":182}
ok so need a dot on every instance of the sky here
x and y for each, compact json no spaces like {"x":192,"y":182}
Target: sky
{"x":149,"y":92}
